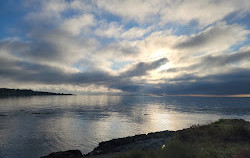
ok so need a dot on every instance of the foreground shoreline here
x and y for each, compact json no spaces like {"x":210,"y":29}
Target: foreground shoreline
{"x":235,"y":132}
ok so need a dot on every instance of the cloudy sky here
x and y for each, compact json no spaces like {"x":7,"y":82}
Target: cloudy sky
{"x":171,"y":47}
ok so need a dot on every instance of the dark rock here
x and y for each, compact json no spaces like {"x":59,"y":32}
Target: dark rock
{"x":117,"y":145}
{"x":65,"y":154}
{"x":142,"y":141}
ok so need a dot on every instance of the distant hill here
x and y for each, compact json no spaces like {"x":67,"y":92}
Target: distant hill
{"x":25,"y":92}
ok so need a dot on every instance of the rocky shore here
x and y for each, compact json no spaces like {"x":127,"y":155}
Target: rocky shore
{"x":143,"y":141}
{"x":137,"y":142}
{"x":223,"y":138}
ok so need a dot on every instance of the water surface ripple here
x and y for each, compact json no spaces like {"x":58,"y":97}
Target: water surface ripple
{"x":34,"y":126}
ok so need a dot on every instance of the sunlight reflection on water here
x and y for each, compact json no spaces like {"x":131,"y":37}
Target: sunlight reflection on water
{"x":35,"y":126}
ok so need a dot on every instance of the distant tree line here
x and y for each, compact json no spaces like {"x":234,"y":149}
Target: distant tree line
{"x":25,"y":92}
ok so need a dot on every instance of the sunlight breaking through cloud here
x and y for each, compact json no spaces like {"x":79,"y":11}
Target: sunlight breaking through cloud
{"x":126,"y":46}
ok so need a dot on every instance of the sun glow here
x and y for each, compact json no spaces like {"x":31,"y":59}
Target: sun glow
{"x":160,"y":53}
{"x":164,"y":67}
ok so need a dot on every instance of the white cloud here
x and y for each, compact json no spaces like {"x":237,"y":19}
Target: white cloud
{"x":185,"y":51}
{"x":205,"y":12}
{"x":135,"y":33}
{"x":139,"y":10}
{"x":125,"y":50}
{"x":217,"y":38}
{"x":115,"y":30}
{"x":77,"y":24}
{"x":47,"y":10}
{"x":109,"y":30}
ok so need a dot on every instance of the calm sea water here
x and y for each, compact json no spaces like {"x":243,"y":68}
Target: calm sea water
{"x":34,"y":126}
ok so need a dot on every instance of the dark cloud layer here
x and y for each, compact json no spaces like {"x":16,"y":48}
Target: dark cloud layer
{"x":235,"y":82}
{"x":21,"y":71}
{"x":142,"y":68}
{"x":232,"y":83}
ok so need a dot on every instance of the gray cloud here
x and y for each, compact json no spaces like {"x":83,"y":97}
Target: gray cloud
{"x":205,"y":12}
{"x":235,"y":82}
{"x":215,"y":38}
{"x":223,"y":60}
{"x":209,"y":62}
{"x":232,"y":83}
{"x":24,"y":72}
{"x":122,"y":49}
{"x":38,"y":73}
{"x":57,"y":46}
{"x":142,"y":68}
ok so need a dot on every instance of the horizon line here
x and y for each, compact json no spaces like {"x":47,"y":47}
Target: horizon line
{"x":212,"y":95}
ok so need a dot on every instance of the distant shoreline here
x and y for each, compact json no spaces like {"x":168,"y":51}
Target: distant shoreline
{"x":6,"y":92}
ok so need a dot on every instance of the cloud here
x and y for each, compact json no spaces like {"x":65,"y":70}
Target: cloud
{"x":51,"y":47}
{"x":223,"y":60}
{"x":61,"y":43}
{"x":28,"y":72}
{"x":135,"y":32}
{"x":114,"y":30}
{"x":77,"y":24}
{"x":204,"y":12}
{"x":142,"y":68}
{"x":125,"y":50}
{"x":183,"y":51}
{"x":215,"y":63}
{"x":234,"y":82}
{"x":25,"y":72}
{"x":109,"y":30}
{"x":215,"y":38}
{"x":139,"y":10}
{"x":52,"y":38}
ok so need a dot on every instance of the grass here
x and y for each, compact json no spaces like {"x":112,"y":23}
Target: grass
{"x":222,"y":139}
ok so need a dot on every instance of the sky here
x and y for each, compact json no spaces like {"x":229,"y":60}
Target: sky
{"x":160,"y":47}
